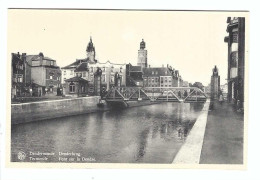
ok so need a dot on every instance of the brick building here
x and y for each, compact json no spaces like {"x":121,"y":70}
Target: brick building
{"x":161,"y":77}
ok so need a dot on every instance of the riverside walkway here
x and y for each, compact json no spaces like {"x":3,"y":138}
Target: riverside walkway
{"x":216,"y":137}
{"x":223,"y":140}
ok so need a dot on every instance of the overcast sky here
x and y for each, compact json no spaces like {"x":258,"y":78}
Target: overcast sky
{"x":192,"y":42}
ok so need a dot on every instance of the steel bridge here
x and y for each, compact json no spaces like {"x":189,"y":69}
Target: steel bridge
{"x":156,"y":94}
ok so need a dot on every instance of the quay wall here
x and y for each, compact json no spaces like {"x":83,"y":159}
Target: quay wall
{"x":35,"y":111}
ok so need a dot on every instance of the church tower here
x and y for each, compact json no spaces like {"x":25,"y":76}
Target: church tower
{"x":215,"y":84}
{"x":91,"y":51}
{"x":142,"y":55}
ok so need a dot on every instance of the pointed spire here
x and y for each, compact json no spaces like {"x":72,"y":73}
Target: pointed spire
{"x":90,"y":46}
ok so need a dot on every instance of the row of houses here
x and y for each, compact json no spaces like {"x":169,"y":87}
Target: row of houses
{"x":34,"y":75}
{"x":37,"y":75}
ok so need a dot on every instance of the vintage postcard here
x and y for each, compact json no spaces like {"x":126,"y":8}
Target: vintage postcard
{"x":127,"y":89}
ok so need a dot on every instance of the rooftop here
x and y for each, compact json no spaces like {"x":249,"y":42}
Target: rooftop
{"x":159,"y":71}
{"x":82,"y":67}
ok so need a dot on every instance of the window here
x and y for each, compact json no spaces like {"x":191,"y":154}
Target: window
{"x":52,"y":63}
{"x":152,"y":72}
{"x":19,"y":78}
{"x":64,"y":72}
{"x":91,"y":69}
{"x":72,"y":87}
{"x":121,"y":69}
{"x":234,"y":57}
{"x":71,"y":72}
{"x":58,"y":78}
{"x":235,"y":37}
{"x":103,"y":78}
{"x":80,"y":74}
{"x":112,"y":79}
{"x":91,"y":78}
{"x":84,"y":74}
{"x":51,"y":76}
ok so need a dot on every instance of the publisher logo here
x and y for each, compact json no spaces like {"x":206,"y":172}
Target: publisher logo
{"x":21,"y":155}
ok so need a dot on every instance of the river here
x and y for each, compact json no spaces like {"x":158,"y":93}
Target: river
{"x":146,"y":134}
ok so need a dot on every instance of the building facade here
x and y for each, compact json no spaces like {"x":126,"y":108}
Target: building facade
{"x":18,"y":75}
{"x":215,"y":84}
{"x":161,"y":77}
{"x":68,"y":71}
{"x":80,"y":65}
{"x":76,"y":87}
{"x":134,"y":75}
{"x":111,"y":75}
{"x":142,"y":55}
{"x":236,"y":60}
{"x":46,"y":73}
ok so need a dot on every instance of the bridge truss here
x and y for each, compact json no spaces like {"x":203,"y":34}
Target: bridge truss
{"x":167,"y":94}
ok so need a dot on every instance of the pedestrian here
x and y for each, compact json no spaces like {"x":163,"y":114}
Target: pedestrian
{"x":221,"y":98}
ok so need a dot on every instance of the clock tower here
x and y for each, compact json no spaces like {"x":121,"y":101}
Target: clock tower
{"x":142,"y":55}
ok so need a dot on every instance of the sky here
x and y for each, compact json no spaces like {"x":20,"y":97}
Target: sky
{"x":191,"y":42}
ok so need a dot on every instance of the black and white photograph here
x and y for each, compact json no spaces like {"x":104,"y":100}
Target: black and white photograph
{"x":127,"y":87}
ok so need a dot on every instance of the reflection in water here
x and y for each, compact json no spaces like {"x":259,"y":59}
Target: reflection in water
{"x":147,"y":134}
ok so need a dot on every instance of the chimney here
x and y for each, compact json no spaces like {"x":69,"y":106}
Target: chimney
{"x":24,"y":56}
{"x":41,"y":57}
